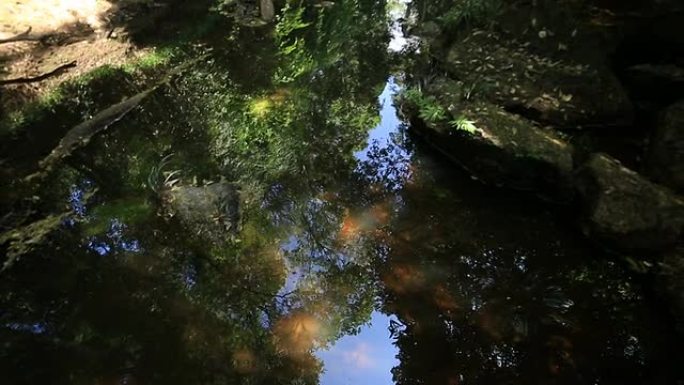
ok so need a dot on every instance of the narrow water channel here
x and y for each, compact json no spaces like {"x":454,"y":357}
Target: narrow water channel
{"x":237,"y":229}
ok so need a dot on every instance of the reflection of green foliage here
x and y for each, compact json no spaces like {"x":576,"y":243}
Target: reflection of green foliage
{"x":291,"y":43}
{"x":128,"y":211}
{"x":28,"y":238}
{"x":181,"y":309}
{"x":331,"y":40}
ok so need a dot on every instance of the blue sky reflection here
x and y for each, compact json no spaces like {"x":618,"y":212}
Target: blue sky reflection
{"x":366,"y":358}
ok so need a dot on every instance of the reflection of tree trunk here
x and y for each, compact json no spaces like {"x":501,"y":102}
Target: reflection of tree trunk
{"x":39,"y":78}
{"x":81,"y":134}
{"x":267,"y":10}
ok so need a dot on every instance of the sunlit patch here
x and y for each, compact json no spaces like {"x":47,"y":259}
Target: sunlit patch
{"x":404,"y":278}
{"x":244,"y":361}
{"x":297,"y":333}
{"x":47,"y":15}
{"x":260,"y":107}
{"x":351,"y":227}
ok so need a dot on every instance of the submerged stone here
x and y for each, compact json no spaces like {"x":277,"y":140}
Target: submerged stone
{"x":625,"y":211}
{"x":211,"y":211}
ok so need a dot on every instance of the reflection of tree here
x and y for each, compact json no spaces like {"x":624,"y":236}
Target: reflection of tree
{"x":122,"y":290}
{"x":489,"y":293}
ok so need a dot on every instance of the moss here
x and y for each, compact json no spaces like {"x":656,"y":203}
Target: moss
{"x":160,"y":57}
{"x":32,"y":112}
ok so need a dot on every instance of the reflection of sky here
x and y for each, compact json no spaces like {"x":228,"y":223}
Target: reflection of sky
{"x":389,"y":122}
{"x":366,"y":358}
{"x":385,"y":160}
{"x":369,"y":356}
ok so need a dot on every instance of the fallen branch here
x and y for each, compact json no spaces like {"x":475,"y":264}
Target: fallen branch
{"x":81,"y":134}
{"x":24,"y":36}
{"x":39,"y":78}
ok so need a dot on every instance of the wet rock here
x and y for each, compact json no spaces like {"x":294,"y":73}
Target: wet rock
{"x":625,"y":211}
{"x":498,"y":147}
{"x":562,"y":93}
{"x":666,"y":151}
{"x":211,"y":211}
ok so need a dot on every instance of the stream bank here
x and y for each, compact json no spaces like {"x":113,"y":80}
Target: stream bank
{"x":543,"y":97}
{"x":578,"y":103}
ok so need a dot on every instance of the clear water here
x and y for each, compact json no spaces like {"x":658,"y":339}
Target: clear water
{"x":359,"y":256}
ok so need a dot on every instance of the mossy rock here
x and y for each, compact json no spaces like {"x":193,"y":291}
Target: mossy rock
{"x":499,"y":147}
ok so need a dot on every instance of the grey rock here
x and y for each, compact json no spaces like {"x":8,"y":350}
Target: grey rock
{"x":211,"y":211}
{"x":500,"y":148}
{"x":625,"y":211}
{"x":562,"y":93}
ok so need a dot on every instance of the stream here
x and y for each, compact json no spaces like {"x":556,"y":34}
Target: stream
{"x":239,"y":230}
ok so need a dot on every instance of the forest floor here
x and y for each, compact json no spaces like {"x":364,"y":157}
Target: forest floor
{"x":58,"y":33}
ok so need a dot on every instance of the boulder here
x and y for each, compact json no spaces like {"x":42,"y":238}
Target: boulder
{"x":625,"y":211}
{"x":562,"y":93}
{"x":498,"y":147}
{"x":211,"y":211}
{"x":665,"y":156}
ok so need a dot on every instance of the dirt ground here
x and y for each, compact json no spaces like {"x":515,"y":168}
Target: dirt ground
{"x":67,"y":31}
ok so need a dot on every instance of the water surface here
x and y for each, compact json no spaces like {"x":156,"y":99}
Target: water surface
{"x":259,"y":223}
